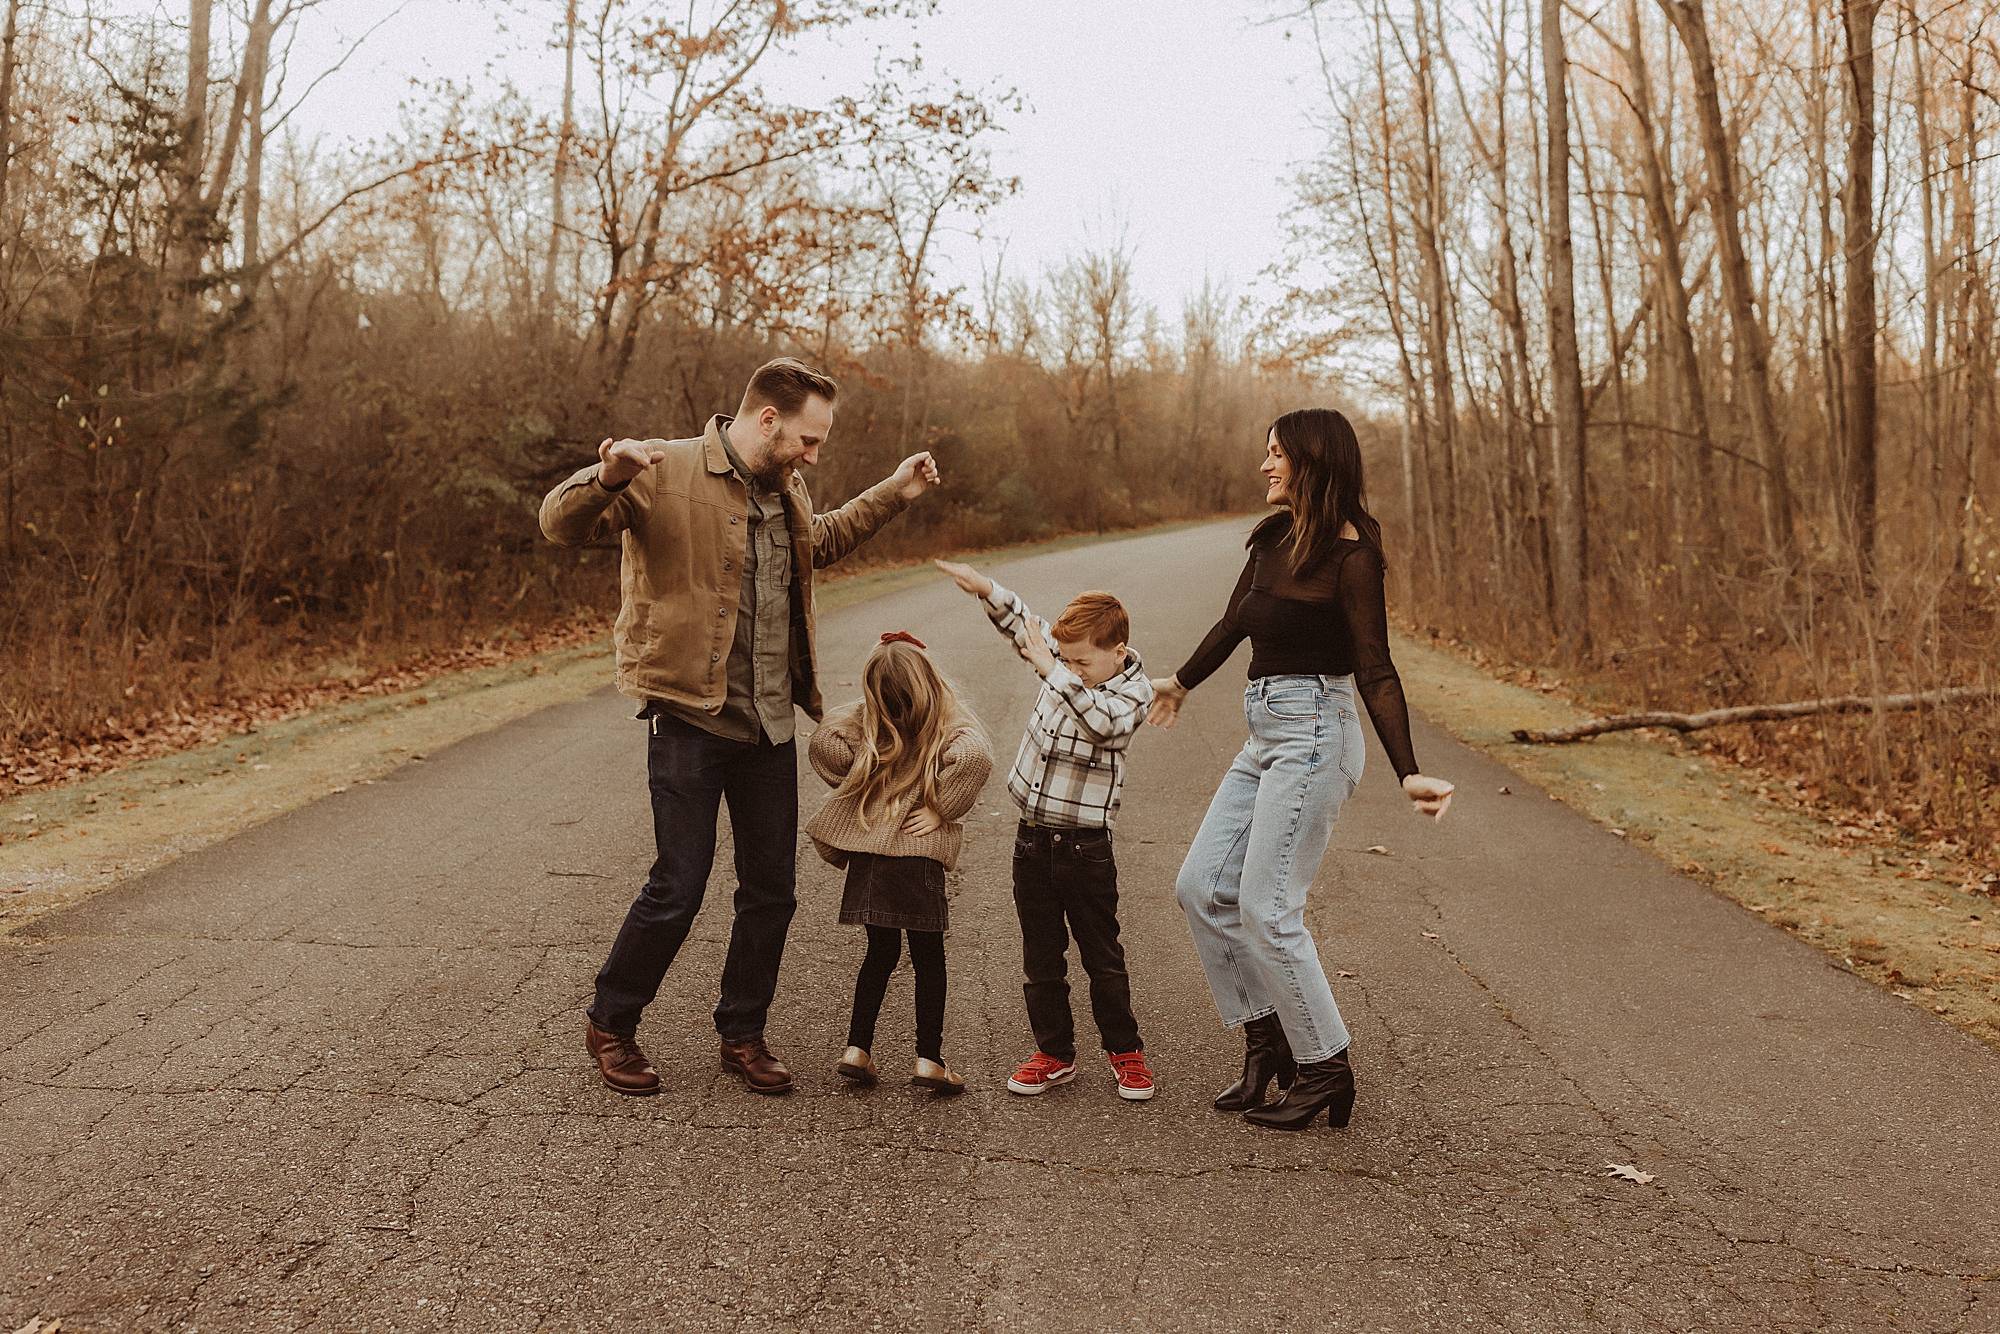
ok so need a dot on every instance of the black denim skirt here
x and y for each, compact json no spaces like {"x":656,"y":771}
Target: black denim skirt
{"x":902,"y":892}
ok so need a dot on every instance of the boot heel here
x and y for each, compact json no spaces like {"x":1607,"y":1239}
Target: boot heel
{"x":1324,"y":1086}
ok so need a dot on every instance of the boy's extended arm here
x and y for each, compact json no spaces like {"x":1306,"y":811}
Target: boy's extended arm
{"x":1107,"y":712}
{"x":966,"y":766}
{"x":1011,"y":617}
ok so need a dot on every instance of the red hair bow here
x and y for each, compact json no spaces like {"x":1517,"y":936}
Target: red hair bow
{"x":904,"y":636}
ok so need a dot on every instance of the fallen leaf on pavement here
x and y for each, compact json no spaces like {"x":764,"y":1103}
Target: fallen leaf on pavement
{"x":1430,"y":935}
{"x":260,"y":768}
{"x":1775,"y":849}
{"x":1344,"y":973}
{"x":1619,"y":832}
{"x":1506,"y":792}
{"x":1378,"y":848}
{"x":1626,"y":1172}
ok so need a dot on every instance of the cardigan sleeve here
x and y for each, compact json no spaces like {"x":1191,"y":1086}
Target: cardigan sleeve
{"x":831,"y":750}
{"x":966,"y":766}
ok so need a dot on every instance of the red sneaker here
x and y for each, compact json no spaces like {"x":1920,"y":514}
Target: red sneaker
{"x":1135,"y":1081}
{"x":1038,"y":1073}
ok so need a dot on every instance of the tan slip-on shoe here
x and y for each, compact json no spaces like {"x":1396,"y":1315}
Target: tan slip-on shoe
{"x":938,"y":1078}
{"x":857,"y":1065}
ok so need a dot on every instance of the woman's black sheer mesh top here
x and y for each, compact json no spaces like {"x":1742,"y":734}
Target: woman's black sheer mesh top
{"x":1329,"y":621}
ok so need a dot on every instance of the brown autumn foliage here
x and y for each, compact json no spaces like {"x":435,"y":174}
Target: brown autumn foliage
{"x":275,"y":424}
{"x":1781,"y":482}
{"x":273,"y":421}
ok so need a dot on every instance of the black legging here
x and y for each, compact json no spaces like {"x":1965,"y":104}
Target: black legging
{"x":885,"y":947}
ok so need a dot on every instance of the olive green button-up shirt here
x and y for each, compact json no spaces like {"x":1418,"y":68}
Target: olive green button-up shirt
{"x":759,"y":666}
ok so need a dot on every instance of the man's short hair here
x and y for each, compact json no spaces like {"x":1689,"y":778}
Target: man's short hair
{"x":786,"y":384}
{"x":1097,"y":619}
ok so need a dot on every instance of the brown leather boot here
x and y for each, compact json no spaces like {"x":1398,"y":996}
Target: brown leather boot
{"x":624,"y":1067}
{"x":763,"y":1072}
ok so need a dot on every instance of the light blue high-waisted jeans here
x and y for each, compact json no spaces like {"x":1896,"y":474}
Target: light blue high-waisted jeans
{"x":1243,"y":885}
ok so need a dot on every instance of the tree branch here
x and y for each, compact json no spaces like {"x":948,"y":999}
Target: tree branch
{"x":1751,"y":713}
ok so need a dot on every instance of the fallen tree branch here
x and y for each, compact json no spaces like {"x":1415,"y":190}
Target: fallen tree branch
{"x":1750,"y":713}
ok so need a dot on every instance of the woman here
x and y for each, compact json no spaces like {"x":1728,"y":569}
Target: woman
{"x":1310,"y":602}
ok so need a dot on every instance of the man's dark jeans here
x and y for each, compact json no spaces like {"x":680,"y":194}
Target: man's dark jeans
{"x":1069,"y":876}
{"x":690,"y":772}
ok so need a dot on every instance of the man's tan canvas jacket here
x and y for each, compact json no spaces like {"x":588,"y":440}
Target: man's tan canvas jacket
{"x":682,"y":525}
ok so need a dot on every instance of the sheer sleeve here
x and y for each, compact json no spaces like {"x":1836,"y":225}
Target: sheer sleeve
{"x":1367,"y":612}
{"x":1221,"y":641}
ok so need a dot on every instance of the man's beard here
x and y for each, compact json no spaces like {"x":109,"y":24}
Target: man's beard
{"x":767,"y":472}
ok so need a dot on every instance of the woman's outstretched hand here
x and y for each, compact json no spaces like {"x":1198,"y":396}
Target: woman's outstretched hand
{"x":1431,"y":795}
{"x":1168,"y":695}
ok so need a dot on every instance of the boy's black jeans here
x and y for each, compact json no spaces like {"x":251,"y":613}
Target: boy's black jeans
{"x":1066,"y":883}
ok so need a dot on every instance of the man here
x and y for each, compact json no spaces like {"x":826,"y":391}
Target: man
{"x":715,"y":634}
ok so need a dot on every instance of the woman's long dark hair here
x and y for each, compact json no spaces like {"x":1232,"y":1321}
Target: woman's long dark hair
{"x":1327,"y":492}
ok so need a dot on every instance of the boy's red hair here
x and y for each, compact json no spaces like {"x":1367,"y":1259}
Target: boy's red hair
{"x":1097,"y":619}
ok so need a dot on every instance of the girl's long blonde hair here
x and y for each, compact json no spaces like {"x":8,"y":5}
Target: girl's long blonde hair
{"x":909,"y":714}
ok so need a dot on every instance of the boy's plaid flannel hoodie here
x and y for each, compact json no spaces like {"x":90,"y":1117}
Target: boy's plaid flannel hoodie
{"x":1070,"y":769}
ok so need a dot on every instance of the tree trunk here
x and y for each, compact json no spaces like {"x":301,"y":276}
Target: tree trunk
{"x":556,"y":180}
{"x":7,"y":38}
{"x":1858,"y":484}
{"x":1437,"y":294}
{"x":1751,"y":353}
{"x":1927,"y":193}
{"x":1565,"y":368}
{"x":250,"y":95}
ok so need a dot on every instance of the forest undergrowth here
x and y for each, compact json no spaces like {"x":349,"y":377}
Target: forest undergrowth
{"x":1925,"y":779}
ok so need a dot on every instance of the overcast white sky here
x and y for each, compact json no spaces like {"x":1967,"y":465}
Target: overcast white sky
{"x":1175,"y":116}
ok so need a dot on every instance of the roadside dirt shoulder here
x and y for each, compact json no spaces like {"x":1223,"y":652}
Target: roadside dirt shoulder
{"x":1911,"y":918}
{"x":59,"y":844}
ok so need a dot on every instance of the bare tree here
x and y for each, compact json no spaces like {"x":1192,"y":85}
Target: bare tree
{"x":1565,"y":365}
{"x":1858,"y":199}
{"x":1751,"y":358}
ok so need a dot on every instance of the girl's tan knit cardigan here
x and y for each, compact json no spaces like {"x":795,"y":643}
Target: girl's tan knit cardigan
{"x":836,"y":830}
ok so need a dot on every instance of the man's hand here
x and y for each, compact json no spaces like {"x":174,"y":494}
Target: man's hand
{"x":619,"y":461}
{"x":916,"y":475}
{"x":967,"y":578}
{"x":1037,"y":651}
{"x":1168,"y":696}
{"x":1432,"y":796}
{"x":922,"y":821}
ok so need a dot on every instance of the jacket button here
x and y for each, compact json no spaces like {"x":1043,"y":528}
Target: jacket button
{"x":732,"y":518}
{"x":725,"y":565}
{"x":719,"y":611}
{"x":715,"y":657}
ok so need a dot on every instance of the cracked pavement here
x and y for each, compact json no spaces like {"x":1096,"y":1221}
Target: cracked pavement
{"x":328,"y":1075}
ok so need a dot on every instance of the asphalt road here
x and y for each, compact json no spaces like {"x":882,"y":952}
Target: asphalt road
{"x":328,"y":1075}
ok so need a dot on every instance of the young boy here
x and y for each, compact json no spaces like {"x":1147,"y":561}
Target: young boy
{"x":1066,"y":780}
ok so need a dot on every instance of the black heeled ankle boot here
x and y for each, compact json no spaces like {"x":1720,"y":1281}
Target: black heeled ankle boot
{"x":1322,"y":1086}
{"x":1266,"y":1056}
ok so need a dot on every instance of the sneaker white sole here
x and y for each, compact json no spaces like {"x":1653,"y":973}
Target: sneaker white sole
{"x":1136,"y":1095}
{"x":1032,"y":1090}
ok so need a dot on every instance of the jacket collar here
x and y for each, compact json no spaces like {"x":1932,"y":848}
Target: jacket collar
{"x":714,"y":454}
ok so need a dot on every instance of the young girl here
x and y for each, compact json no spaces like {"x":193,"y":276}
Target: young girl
{"x":906,"y":762}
